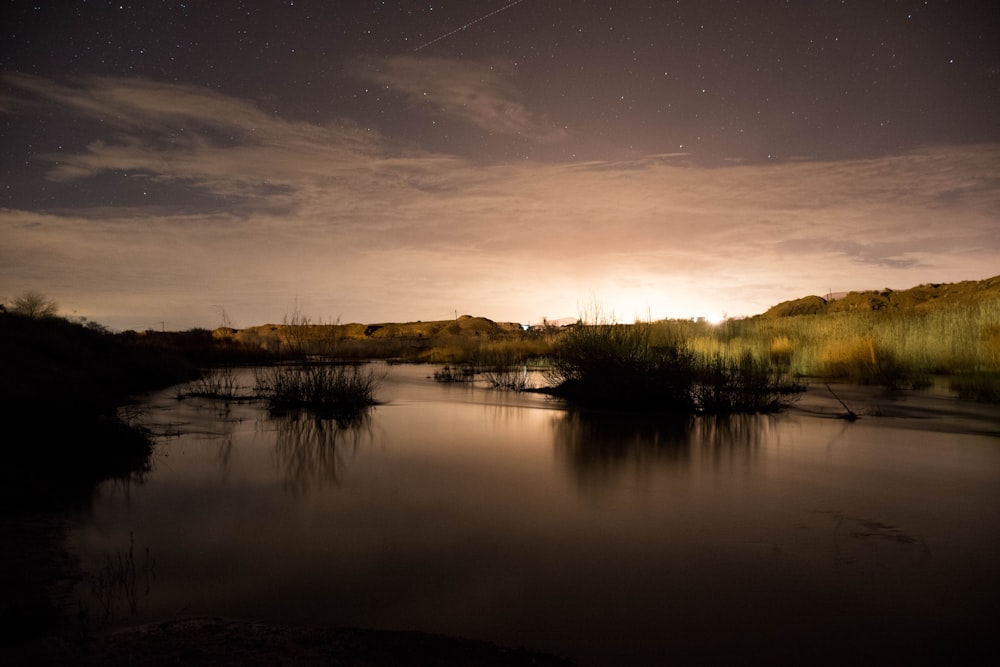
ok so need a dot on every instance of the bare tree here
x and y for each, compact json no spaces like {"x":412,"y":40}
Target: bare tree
{"x":34,"y":304}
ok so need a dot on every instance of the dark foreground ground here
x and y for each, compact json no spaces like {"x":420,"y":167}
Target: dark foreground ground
{"x":219,"y":641}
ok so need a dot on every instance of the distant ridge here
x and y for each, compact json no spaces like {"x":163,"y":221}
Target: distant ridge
{"x":463,"y":326}
{"x":921,"y":297}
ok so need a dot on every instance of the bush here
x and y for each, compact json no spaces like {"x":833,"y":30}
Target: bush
{"x":328,"y":389}
{"x":34,"y":305}
{"x":613,"y":366}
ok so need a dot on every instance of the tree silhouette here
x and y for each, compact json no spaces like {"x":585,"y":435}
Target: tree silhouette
{"x":34,"y":305}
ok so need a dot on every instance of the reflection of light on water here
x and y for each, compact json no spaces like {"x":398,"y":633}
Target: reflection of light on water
{"x":501,"y":515}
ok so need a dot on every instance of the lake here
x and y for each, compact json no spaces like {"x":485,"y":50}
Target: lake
{"x":461,"y":510}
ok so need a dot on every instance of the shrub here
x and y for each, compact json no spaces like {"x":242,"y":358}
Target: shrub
{"x":329,"y":390}
{"x":613,"y":366}
{"x":34,"y":305}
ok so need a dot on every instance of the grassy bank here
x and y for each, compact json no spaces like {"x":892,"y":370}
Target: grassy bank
{"x":894,"y":349}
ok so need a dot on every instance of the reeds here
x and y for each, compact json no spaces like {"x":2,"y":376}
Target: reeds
{"x":220,"y":382}
{"x":894,"y":349}
{"x":455,"y":374}
{"x":650,"y":367}
{"x":609,"y":365}
{"x":744,"y":385}
{"x":327,"y":389}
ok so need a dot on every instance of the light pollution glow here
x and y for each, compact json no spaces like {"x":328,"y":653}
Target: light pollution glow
{"x":214,"y":209}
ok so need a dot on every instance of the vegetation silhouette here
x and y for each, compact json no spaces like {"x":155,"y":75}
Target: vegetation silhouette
{"x":34,"y":305}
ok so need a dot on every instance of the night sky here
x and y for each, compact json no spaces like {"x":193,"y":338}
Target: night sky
{"x":184,"y":164}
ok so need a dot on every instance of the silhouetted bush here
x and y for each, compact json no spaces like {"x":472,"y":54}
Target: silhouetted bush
{"x":34,"y":305}
{"x":330,"y":390}
{"x":612,"y":366}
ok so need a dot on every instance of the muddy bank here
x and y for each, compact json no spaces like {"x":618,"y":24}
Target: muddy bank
{"x":223,"y":642}
{"x":936,"y":409}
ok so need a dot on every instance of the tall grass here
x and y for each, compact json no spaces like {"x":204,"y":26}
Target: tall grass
{"x":650,"y":367}
{"x":890,"y":348}
{"x":218,"y":382}
{"x":745,"y":385}
{"x":327,"y":389}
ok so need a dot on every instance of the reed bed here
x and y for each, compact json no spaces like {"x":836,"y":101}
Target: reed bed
{"x":327,"y":389}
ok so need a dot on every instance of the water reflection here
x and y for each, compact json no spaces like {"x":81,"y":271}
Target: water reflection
{"x":310,"y":452}
{"x":598,"y":447}
{"x":117,"y":585}
{"x":608,"y":539}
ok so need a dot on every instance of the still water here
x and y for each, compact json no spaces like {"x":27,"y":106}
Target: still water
{"x":466,"y":511}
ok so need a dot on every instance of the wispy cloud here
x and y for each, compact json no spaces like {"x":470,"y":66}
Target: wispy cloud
{"x":471,"y":92}
{"x":356,"y":226}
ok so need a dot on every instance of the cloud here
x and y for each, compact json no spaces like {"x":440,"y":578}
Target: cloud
{"x":474,"y":93}
{"x":357,"y":226}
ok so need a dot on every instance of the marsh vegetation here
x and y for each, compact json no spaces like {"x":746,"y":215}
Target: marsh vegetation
{"x":894,"y":340}
{"x":325,"y":388}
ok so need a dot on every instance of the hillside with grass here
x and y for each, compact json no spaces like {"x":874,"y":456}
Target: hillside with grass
{"x":895,"y":339}
{"x":920,"y":298}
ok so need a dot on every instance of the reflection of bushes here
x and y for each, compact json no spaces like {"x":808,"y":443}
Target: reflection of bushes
{"x":978,"y":385}
{"x":328,"y":389}
{"x":115,"y":583}
{"x":596,"y":446}
{"x":310,"y":450}
{"x":599,"y":447}
{"x":458,"y":373}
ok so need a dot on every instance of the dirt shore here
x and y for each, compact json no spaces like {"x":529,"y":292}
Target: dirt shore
{"x":229,"y":642}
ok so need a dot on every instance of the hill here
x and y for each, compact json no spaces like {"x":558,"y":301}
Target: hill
{"x":921,"y":297}
{"x":440,"y":340}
